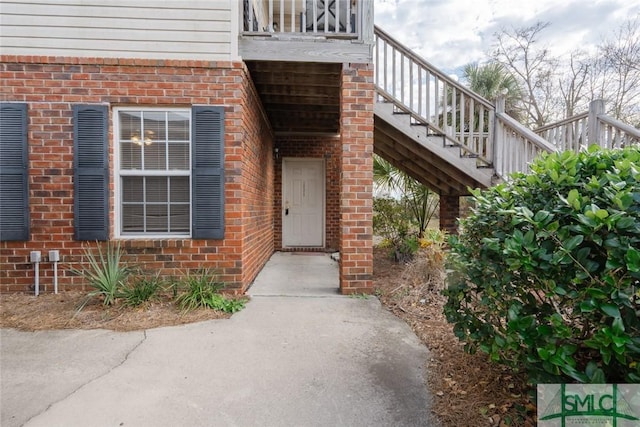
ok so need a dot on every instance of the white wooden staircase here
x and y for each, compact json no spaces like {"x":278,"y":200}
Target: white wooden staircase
{"x":451,"y":139}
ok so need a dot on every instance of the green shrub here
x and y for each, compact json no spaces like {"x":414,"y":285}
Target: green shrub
{"x":142,"y":290}
{"x":545,"y":274}
{"x":405,"y":249}
{"x":106,"y":273}
{"x":227,"y":305}
{"x":392,"y":222}
{"x":390,"y":219}
{"x":202,"y":290}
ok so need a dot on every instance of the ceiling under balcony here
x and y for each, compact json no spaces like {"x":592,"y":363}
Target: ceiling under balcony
{"x":299,"y":97}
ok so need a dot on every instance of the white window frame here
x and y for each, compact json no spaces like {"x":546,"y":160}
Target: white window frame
{"x":118,"y":174}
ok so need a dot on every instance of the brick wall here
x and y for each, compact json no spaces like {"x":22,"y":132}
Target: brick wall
{"x":327,"y":148}
{"x":258,"y":195}
{"x":356,"y":179}
{"x":449,"y":213}
{"x":52,"y":85}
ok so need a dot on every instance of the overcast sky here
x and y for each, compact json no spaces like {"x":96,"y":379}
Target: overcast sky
{"x":451,"y":33}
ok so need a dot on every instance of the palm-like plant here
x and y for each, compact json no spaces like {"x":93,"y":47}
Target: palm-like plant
{"x":106,"y":273}
{"x":419,"y":200}
{"x":470,"y":119}
{"x":492,"y":80}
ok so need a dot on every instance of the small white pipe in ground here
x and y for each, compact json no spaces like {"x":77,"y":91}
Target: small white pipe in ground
{"x":35,"y":258}
{"x":37,"y":267}
{"x":54,"y":256}
{"x":55,"y":277}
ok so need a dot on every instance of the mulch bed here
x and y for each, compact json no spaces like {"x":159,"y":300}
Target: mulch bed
{"x":50,"y":311}
{"x":469,"y":390}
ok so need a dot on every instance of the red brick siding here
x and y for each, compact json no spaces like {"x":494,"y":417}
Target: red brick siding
{"x":258,"y":195}
{"x":356,"y":179}
{"x":449,"y":213}
{"x":51,"y":85}
{"x":327,"y":148}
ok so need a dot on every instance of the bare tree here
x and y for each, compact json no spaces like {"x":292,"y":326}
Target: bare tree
{"x":558,"y":88}
{"x":534,"y":67}
{"x":573,"y":85}
{"x":616,"y":73}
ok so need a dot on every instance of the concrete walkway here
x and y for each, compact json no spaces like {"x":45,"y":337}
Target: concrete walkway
{"x":298,"y":355}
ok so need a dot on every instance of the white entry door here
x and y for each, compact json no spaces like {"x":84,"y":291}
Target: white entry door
{"x":303,"y":202}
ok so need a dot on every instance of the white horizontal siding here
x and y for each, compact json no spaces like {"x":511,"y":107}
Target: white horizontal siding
{"x":153,"y":29}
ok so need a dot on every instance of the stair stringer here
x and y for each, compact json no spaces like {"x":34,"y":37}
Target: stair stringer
{"x":409,"y":147}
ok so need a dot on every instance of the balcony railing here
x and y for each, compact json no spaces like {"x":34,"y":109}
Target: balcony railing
{"x":307,"y":30}
{"x":328,"y":18}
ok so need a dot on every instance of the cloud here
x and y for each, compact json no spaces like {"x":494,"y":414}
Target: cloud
{"x":451,"y":33}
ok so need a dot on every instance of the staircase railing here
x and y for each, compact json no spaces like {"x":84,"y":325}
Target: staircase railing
{"x":433,"y":98}
{"x":515,"y":145}
{"x":447,"y":108}
{"x":592,"y":127}
{"x":470,"y":122}
{"x":568,"y":134}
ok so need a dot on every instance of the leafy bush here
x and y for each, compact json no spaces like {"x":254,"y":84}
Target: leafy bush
{"x":545,"y":274}
{"x":202,"y":289}
{"x":227,"y":305}
{"x":405,"y":249}
{"x":106,"y":273}
{"x":390,"y":221}
{"x":142,"y":290}
{"x":433,"y":236}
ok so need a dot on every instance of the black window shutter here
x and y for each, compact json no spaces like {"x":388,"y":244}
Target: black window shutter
{"x":91,"y":172}
{"x":14,"y":170}
{"x":207,"y":172}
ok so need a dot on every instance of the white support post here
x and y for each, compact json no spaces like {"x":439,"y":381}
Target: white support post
{"x":498,"y":137}
{"x":595,"y":136}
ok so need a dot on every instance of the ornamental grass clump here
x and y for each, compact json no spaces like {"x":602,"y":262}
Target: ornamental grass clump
{"x":142,"y":290}
{"x":545,"y":274}
{"x":202,"y":290}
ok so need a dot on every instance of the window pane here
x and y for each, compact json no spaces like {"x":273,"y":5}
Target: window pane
{"x":130,"y":156}
{"x":179,"y":156}
{"x":178,"y":126}
{"x":154,"y":126}
{"x":132,"y":218}
{"x":132,"y":189}
{"x":155,"y":140}
{"x":155,"y":156}
{"x":157,"y":218}
{"x":130,"y":125}
{"x":179,"y":219}
{"x":156,"y":189}
{"x":180,"y":191}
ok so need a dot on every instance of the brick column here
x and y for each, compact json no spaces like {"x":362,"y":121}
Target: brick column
{"x":356,"y":179}
{"x":449,"y":213}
